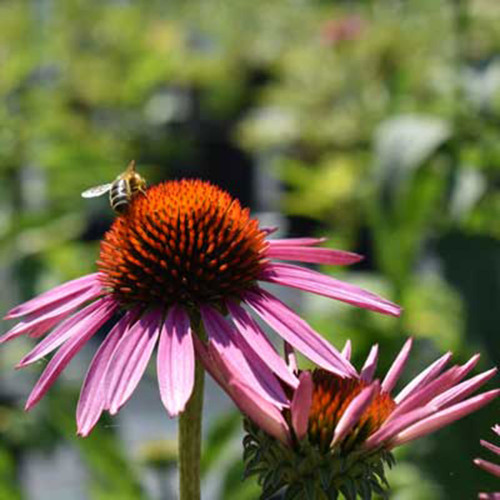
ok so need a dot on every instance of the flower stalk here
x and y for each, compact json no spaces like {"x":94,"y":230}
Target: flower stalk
{"x":190,"y":440}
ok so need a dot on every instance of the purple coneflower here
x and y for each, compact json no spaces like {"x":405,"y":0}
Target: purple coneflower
{"x":337,"y":432}
{"x":490,"y":466}
{"x":180,"y":260}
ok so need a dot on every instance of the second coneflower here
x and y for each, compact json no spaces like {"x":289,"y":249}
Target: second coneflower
{"x":336,"y":435}
{"x":181,"y":261}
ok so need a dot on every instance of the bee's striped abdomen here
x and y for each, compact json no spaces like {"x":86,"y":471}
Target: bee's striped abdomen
{"x":119,"y":195}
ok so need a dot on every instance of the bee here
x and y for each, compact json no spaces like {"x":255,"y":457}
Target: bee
{"x":121,"y":190}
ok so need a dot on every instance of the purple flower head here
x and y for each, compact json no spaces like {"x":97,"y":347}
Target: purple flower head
{"x":339,"y":431}
{"x":182,"y":259}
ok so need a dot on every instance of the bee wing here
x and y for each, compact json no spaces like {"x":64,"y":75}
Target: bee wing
{"x":96,"y":191}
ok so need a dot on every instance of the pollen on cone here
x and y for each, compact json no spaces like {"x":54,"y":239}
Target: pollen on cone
{"x":183,"y":241}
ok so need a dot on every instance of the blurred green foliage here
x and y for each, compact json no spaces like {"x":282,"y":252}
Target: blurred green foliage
{"x":381,"y":117}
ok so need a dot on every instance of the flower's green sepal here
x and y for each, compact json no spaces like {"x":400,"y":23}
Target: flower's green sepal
{"x":306,"y":472}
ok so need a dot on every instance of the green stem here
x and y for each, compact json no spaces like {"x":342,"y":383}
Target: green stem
{"x":190,"y":440}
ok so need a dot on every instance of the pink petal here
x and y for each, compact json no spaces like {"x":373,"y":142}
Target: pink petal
{"x":442,"y":383}
{"x":354,"y":412}
{"x":301,"y":405}
{"x":258,"y":408}
{"x":130,"y":360}
{"x":346,"y":351}
{"x":368,"y":370}
{"x":425,"y":376}
{"x":312,"y":281}
{"x":427,"y":392}
{"x":297,"y":332}
{"x":491,"y":447}
{"x":302,"y":242}
{"x":42,"y":329}
{"x":256,"y":340}
{"x":488,"y":496}
{"x":314,"y":255}
{"x":445,"y":417}
{"x":72,"y":326}
{"x":66,"y":353}
{"x":264,"y":414}
{"x":45,"y":318}
{"x":463,"y":389}
{"x":488,"y":467}
{"x":468,"y":367}
{"x":92,"y":400}
{"x":397,"y":367}
{"x":392,"y":427}
{"x":249,"y":368}
{"x":32,"y":329}
{"x":58,"y":293}
{"x":209,"y":363}
{"x":175,"y":361}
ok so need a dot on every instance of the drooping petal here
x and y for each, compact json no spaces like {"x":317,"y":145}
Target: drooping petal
{"x":297,"y":332}
{"x":255,"y":338}
{"x":354,"y":411}
{"x":313,"y":255}
{"x":92,"y":401}
{"x":66,"y":353}
{"x":209,"y":363}
{"x":444,"y":417}
{"x":425,"y":376}
{"x":312,"y":281}
{"x":34,"y":329}
{"x":301,"y":405}
{"x":74,"y":287}
{"x":368,"y":370}
{"x":41,"y":330}
{"x":41,"y":321}
{"x":260,"y":411}
{"x":397,"y":367}
{"x":251,"y":369}
{"x":302,"y":242}
{"x":175,"y":361}
{"x":72,"y":326}
{"x":130,"y":359}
